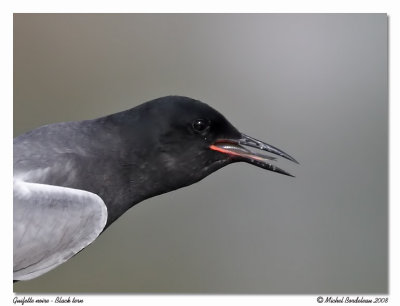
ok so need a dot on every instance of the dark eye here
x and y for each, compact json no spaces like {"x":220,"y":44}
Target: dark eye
{"x":200,"y":125}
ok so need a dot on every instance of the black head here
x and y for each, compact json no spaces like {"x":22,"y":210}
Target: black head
{"x":178,"y":141}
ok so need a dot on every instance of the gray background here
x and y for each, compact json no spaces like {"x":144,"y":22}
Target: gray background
{"x":315,"y":86}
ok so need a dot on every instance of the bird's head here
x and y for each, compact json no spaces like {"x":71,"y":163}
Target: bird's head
{"x":186,"y":140}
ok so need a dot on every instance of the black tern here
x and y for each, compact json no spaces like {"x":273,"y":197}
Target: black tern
{"x":73,"y":179}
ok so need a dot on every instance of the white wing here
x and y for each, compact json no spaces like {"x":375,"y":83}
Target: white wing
{"x":51,"y":224}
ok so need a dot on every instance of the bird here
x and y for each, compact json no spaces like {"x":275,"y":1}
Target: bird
{"x":72,"y":180}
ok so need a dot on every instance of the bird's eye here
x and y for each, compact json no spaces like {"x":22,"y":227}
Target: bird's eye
{"x":200,"y":125}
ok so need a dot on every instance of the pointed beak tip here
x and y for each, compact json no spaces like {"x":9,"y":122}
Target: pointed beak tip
{"x":234,"y":147}
{"x":285,"y":173}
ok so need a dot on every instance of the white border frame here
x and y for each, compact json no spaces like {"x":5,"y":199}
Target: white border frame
{"x":205,"y":6}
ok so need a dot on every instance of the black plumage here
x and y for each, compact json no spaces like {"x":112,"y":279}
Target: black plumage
{"x":116,"y":161}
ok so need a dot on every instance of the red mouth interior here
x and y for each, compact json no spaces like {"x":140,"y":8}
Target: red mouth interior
{"x":236,"y":150}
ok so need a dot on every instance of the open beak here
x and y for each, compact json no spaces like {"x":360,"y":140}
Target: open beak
{"x":235,"y":148}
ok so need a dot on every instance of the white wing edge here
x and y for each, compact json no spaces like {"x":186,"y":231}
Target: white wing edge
{"x":25,"y":189}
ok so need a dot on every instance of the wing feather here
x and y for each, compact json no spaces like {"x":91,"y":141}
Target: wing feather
{"x":51,"y":224}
